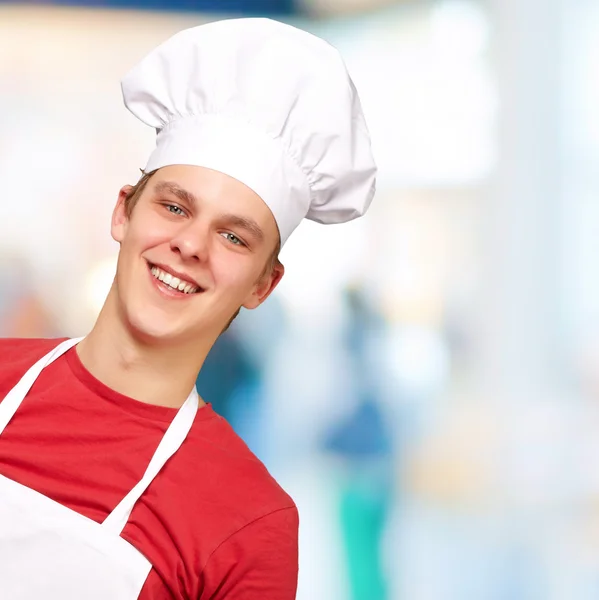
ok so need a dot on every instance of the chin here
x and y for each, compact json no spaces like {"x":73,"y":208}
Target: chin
{"x":149,"y":326}
{"x":169,"y":323}
{"x":153,"y":335}
{"x":153,"y":327}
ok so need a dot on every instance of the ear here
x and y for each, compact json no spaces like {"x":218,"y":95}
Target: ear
{"x":265,"y":287}
{"x":120,"y":219}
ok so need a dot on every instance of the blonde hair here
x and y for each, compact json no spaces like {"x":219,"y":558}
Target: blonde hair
{"x":136,"y":191}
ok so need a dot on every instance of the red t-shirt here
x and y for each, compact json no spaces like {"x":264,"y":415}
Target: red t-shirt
{"x":214,"y":523}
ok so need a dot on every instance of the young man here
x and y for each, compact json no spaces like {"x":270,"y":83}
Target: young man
{"x":116,"y":481}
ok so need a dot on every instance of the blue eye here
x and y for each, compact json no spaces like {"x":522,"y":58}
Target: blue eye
{"x":233,"y":239}
{"x":176,"y":210}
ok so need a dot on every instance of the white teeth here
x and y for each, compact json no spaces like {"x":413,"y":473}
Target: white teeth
{"x":174,"y":282}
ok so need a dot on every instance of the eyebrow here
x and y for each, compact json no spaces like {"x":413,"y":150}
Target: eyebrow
{"x":176,"y":190}
{"x":233,"y":220}
{"x":248,"y":225}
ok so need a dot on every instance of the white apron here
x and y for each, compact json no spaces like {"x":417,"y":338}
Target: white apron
{"x":50,"y":551}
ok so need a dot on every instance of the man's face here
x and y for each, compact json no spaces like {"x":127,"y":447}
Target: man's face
{"x":193,"y":251}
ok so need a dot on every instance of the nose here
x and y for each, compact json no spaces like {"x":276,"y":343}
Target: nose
{"x":191,"y":243}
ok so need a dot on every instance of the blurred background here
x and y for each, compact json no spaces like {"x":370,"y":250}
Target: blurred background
{"x":428,"y":392}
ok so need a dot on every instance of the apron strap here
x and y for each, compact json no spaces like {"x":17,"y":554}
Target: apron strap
{"x":12,"y":401}
{"x":170,"y":443}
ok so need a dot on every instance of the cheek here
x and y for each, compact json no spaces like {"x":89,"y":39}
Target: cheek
{"x":146,"y":234}
{"x":235,"y":273}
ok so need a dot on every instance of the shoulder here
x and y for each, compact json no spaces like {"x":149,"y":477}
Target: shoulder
{"x":226,"y":486}
{"x":244,"y":480}
{"x":226,"y":511}
{"x":251,"y":521}
{"x":17,"y":355}
{"x":17,"y":350}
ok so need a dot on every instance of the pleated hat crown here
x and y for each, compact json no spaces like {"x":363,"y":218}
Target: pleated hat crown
{"x":266,"y":103}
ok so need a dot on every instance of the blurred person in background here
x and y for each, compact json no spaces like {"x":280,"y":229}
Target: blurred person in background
{"x":117,"y":481}
{"x":232,"y":375}
{"x":225,"y":371}
{"x":362,"y":443}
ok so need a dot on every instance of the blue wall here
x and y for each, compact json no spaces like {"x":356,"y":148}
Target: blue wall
{"x":236,"y":7}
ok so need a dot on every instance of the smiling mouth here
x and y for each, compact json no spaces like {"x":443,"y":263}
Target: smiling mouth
{"x":174,"y":283}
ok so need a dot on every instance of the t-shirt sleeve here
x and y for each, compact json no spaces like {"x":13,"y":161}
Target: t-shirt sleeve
{"x":259,"y":562}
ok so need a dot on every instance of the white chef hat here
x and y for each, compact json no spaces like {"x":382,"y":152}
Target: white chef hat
{"x":265,"y":103}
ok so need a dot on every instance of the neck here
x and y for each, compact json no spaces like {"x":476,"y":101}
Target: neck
{"x":159,"y":374}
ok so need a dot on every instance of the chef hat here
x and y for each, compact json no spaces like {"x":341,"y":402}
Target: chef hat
{"x":265,"y":103}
